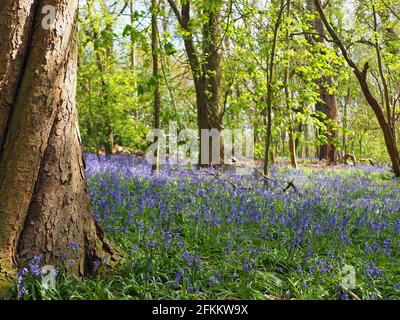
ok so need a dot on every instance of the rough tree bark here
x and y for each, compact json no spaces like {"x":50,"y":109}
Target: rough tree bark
{"x":44,"y":207}
{"x":212,"y":74}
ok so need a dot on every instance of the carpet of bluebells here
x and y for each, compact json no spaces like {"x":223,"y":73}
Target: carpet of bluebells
{"x":188,"y":234}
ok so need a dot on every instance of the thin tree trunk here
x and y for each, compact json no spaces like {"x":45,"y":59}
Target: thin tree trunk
{"x":307,"y":152}
{"x":102,"y":64}
{"x":292,"y":149}
{"x":332,"y":115}
{"x":156,"y":66}
{"x":133,"y":42}
{"x":44,"y":207}
{"x":268,"y":111}
{"x":345,"y":122}
{"x":133,"y":59}
{"x":109,"y":143}
{"x":292,"y":141}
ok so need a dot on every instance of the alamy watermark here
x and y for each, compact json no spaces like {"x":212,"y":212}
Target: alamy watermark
{"x":49,"y":18}
{"x":349,"y":278}
{"x":204,"y":147}
{"x":49,"y":274}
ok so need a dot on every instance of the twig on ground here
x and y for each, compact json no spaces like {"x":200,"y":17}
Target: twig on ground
{"x":351,"y":293}
{"x":289,"y":184}
{"x":218,"y":177}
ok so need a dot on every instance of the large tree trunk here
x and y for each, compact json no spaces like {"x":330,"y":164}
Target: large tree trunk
{"x":209,"y":85}
{"x":329,"y":107}
{"x":328,"y":104}
{"x":212,"y":68}
{"x":44,"y":207}
{"x":206,"y":68}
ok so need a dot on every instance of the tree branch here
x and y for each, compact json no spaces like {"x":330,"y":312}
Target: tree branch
{"x":335,"y":37}
{"x":176,"y":11}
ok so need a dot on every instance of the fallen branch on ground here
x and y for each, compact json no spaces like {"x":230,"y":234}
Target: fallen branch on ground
{"x":218,"y":175}
{"x":289,"y":184}
{"x":353,"y":158}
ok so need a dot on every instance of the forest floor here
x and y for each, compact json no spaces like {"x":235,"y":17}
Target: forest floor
{"x":195,"y":235}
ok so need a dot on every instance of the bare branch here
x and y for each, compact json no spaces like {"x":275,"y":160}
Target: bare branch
{"x":335,"y":37}
{"x":176,"y":11}
{"x":391,"y":10}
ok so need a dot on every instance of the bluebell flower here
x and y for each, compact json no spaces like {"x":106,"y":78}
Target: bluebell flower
{"x":228,"y":246}
{"x":21,"y":287}
{"x":344,"y":296}
{"x":247,"y":265}
{"x":96,"y":265}
{"x":34,"y":266}
{"x":372,"y":270}
{"x":179,"y":275}
{"x":212,"y":281}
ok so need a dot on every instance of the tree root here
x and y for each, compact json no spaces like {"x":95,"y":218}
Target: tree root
{"x":100,"y":249}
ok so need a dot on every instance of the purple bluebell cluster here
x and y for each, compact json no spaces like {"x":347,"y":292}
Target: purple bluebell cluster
{"x":346,"y":217}
{"x":232,"y":225}
{"x":33,"y":270}
{"x":206,"y":234}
